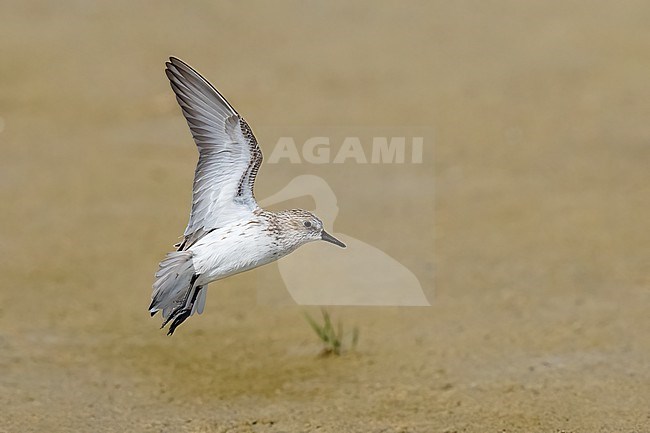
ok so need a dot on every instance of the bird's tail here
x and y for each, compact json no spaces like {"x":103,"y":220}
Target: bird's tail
{"x":175,"y":292}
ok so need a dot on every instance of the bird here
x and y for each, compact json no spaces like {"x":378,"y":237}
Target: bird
{"x":228,"y":232}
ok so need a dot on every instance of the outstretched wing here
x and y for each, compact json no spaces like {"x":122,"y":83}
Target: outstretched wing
{"x":229,"y":156}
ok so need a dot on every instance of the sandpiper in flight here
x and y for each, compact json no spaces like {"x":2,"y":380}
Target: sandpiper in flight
{"x":228,"y":232}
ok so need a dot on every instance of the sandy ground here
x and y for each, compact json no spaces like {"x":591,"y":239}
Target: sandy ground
{"x":539,"y":234}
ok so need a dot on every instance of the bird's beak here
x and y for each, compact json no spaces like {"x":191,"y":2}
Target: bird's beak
{"x":329,"y":238}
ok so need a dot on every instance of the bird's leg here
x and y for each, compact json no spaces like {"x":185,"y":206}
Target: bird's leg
{"x":181,"y":305}
{"x":182,"y":315}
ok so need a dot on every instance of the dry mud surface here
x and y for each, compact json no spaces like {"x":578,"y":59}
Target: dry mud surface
{"x":539,"y":235}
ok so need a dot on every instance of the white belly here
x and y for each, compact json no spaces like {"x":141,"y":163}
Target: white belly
{"x":233,"y":249}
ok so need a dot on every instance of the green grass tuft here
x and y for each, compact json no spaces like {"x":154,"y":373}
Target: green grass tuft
{"x":332,"y":337}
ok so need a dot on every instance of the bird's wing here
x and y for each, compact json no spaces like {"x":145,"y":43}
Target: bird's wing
{"x":229,"y":156}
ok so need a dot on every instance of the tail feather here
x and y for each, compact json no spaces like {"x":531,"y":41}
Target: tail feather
{"x":173,"y":276}
{"x":173,"y":291}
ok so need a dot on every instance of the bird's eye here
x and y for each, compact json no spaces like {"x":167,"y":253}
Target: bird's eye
{"x":307,"y":224}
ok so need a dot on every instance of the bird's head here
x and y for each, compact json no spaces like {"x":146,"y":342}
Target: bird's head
{"x":306,"y":227}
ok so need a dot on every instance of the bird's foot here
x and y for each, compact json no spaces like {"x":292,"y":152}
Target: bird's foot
{"x":179,"y":318}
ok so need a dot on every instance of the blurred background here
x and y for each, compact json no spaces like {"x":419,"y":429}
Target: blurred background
{"x":538,"y":236}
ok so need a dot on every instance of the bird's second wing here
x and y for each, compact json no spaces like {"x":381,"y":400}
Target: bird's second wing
{"x":229,"y":156}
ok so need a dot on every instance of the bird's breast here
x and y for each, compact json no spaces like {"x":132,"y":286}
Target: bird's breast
{"x":235,"y":248}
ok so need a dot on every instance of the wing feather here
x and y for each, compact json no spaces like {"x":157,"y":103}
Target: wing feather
{"x":229,"y":155}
